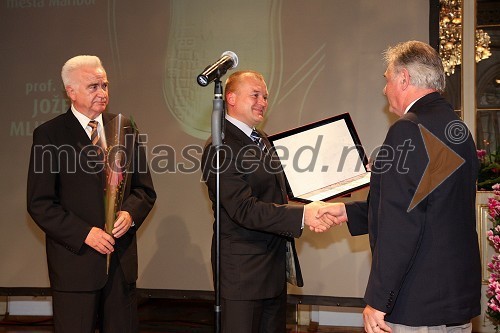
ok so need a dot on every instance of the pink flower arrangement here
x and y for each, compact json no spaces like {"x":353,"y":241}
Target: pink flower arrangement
{"x":481,"y":154}
{"x":493,"y":234}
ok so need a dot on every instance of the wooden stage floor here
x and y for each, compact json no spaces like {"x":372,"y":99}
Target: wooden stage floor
{"x":161,"y":315}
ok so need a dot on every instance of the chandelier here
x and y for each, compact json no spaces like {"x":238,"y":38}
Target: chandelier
{"x":450,"y":36}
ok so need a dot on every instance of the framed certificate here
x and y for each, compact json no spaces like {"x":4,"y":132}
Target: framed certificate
{"x":322,"y":160}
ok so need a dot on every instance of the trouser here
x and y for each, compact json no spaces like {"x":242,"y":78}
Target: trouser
{"x":254,"y":316}
{"x":113,"y":309}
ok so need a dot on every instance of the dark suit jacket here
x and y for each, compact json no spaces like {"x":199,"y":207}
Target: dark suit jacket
{"x":65,"y":198}
{"x":426,"y":267}
{"x":255,"y":220}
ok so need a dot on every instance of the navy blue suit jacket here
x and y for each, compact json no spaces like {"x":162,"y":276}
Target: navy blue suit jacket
{"x":426,"y":268}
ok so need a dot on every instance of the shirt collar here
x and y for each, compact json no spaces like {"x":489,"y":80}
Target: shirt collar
{"x":84,"y":120}
{"x":241,"y":125}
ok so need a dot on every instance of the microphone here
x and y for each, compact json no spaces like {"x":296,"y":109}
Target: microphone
{"x":228,"y":60}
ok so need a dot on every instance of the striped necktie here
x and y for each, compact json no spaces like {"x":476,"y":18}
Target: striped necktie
{"x":255,"y":136}
{"x":94,"y":135}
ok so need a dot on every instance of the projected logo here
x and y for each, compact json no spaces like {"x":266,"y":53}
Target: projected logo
{"x":197,"y":39}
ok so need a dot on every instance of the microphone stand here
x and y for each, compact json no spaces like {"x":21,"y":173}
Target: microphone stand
{"x":217,"y":122}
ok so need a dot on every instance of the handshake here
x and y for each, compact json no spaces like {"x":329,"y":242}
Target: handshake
{"x":320,"y":216}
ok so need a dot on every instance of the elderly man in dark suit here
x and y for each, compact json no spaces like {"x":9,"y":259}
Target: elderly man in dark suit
{"x":420,"y":214}
{"x":257,"y":225}
{"x":66,"y":199}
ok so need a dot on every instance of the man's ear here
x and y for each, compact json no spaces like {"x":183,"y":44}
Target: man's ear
{"x":405,"y":78}
{"x":230,"y":98}
{"x":70,"y":92}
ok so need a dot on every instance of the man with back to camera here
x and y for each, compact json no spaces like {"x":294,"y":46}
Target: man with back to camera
{"x":426,"y":272}
{"x":257,"y":224}
{"x":68,"y":205}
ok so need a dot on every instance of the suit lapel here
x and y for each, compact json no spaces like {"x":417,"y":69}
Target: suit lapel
{"x":237,"y":134}
{"x":78,"y":134}
{"x":82,"y":144}
{"x":275,"y":165}
{"x":273,"y":160}
{"x":271,"y":157}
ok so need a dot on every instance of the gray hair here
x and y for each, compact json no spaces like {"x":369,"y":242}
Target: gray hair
{"x":77,"y":62}
{"x":422,"y":62}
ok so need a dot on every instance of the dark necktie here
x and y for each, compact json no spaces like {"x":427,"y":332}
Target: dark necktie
{"x":258,"y":140}
{"x":94,"y":135}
